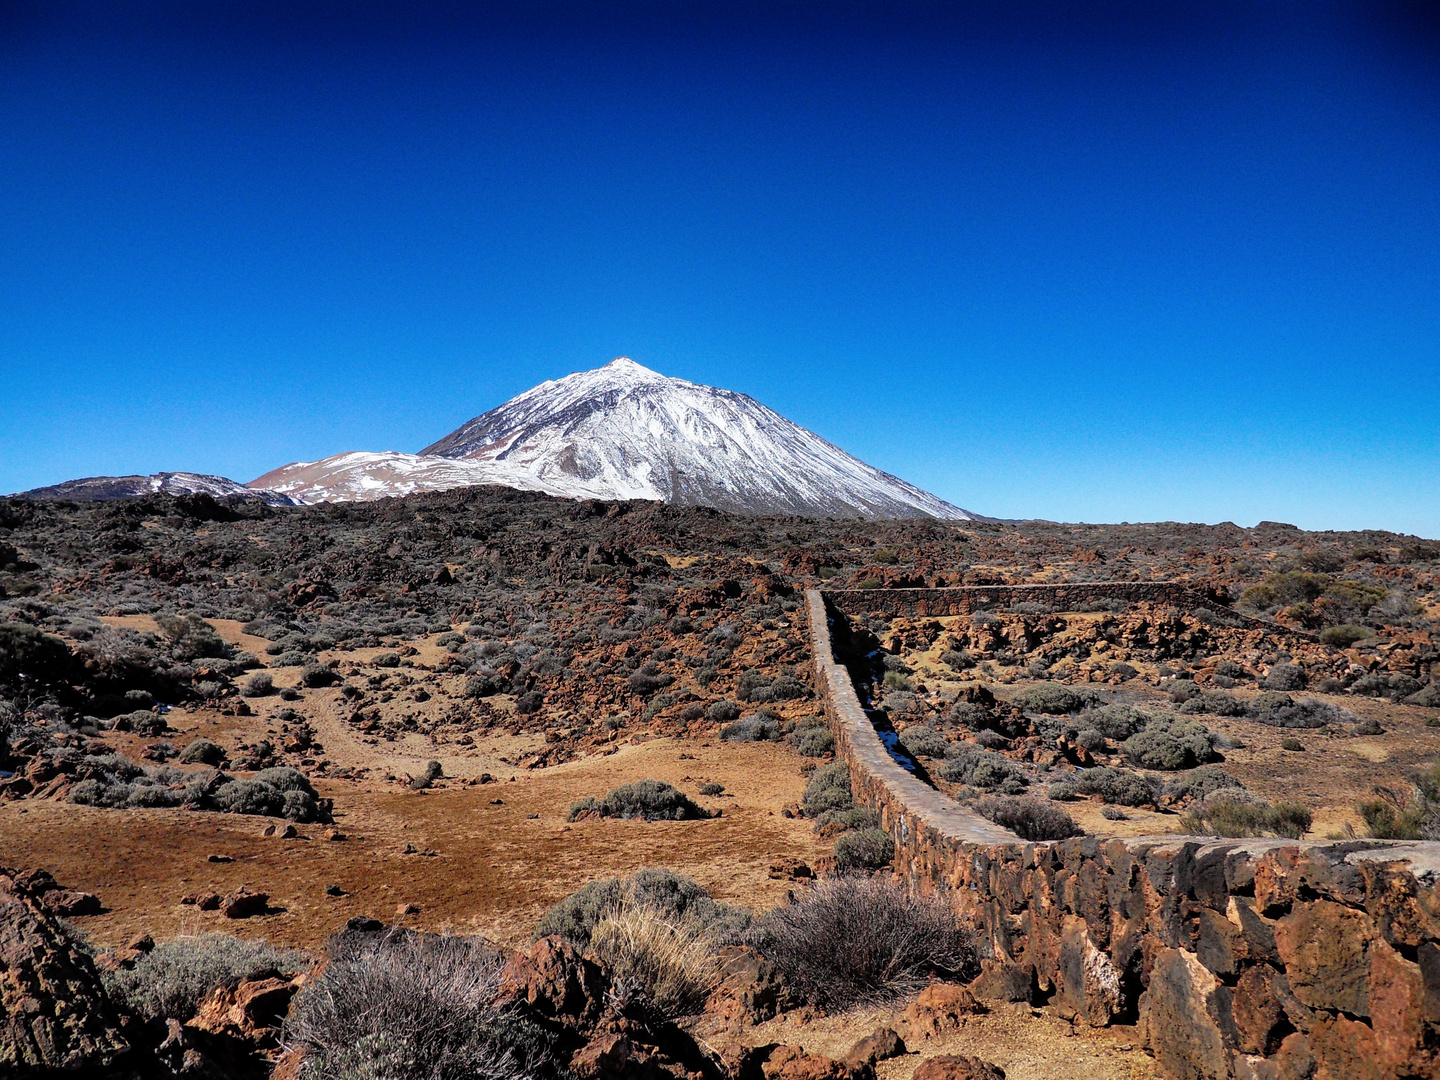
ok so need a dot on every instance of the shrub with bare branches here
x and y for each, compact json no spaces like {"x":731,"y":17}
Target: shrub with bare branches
{"x":852,"y":940}
{"x":402,"y":1006}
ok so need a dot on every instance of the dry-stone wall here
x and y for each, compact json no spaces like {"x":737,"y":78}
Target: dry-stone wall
{"x":1264,"y":959}
{"x":963,"y":599}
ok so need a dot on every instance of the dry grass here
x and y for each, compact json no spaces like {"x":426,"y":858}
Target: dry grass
{"x":672,"y":960}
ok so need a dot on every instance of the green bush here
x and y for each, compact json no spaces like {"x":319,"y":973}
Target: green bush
{"x":812,"y":740}
{"x":1202,"y":782}
{"x":844,"y":820}
{"x":1051,"y":698}
{"x":202,"y":752}
{"x":1231,"y":814}
{"x":1280,"y":710}
{"x":1118,"y":786}
{"x":1028,"y":818}
{"x":981,"y":769}
{"x":192,"y":637}
{"x":258,"y":685}
{"x":1342,"y":637}
{"x":925,"y":741}
{"x":170,"y":981}
{"x":1116,"y":722}
{"x":863,"y":849}
{"x":653,"y":800}
{"x":828,"y":789}
{"x":1284,"y":677}
{"x":1170,"y":745}
{"x":673,"y":895}
{"x":31,"y":659}
{"x":752,"y":729}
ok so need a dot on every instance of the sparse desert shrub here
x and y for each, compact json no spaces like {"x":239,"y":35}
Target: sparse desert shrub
{"x":1113,"y":813}
{"x":191,"y":637}
{"x":851,"y":940}
{"x":832,"y":822}
{"x":386,"y":660}
{"x":1293,"y":745}
{"x":978,"y":768}
{"x":1182,"y":690}
{"x":1233,"y":813}
{"x":991,"y":740}
{"x":648,"y":678}
{"x":202,"y":752}
{"x":31,"y":659}
{"x":673,"y":960}
{"x":653,"y":800}
{"x":1118,"y":786}
{"x":958,"y":659}
{"x":674,"y":896}
{"x":1284,"y":677}
{"x":868,"y":848}
{"x":1280,"y":710}
{"x":1231,"y":670}
{"x":1395,"y":686}
{"x":1028,"y":818}
{"x":1200,"y":783}
{"x":1051,"y":698}
{"x":828,"y":789}
{"x":258,"y":685}
{"x":1342,"y":637}
{"x":415,"y":1007}
{"x":723,"y":712}
{"x":317,"y":675}
{"x":1116,"y":722}
{"x":925,"y":741}
{"x":753,"y":728}
{"x":1412,"y":815}
{"x":170,"y":980}
{"x":812,"y":740}
{"x":1214,"y":703}
{"x":787,"y":688}
{"x":712,"y":789}
{"x":1170,"y":745}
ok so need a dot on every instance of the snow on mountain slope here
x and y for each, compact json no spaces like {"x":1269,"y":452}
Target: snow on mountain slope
{"x":105,"y":488}
{"x":625,"y":432}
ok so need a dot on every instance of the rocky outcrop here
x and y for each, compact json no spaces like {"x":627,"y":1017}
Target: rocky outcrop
{"x":1238,"y":958}
{"x":54,"y":1016}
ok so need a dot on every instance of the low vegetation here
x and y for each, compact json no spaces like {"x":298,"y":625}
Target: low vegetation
{"x":853,"y":940}
{"x":174,"y":977}
{"x":652,"y":800}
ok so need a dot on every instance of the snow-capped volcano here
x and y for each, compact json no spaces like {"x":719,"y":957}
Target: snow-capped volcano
{"x":625,"y":432}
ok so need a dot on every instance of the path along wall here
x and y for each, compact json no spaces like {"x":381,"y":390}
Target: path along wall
{"x":1236,"y":958}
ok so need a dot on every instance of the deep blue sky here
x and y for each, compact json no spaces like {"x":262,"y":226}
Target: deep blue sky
{"x":1134,"y":262}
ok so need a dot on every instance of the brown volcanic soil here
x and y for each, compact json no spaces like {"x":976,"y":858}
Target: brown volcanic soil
{"x":495,"y":870}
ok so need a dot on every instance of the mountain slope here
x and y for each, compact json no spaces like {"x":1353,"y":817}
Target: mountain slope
{"x":106,"y":488}
{"x":625,"y":432}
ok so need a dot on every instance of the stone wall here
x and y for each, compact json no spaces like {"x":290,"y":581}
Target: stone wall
{"x":1236,"y":958}
{"x":963,"y":599}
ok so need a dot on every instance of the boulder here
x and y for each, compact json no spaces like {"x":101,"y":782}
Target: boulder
{"x":242,"y":903}
{"x":882,"y":1044}
{"x":248,"y":1011}
{"x":940,"y":1007}
{"x":750,"y":990}
{"x":957,"y":1067}
{"x":1003,"y":982}
{"x":554,"y":980}
{"x":793,"y":1063}
{"x":604,"y":1057}
{"x":54,"y":1014}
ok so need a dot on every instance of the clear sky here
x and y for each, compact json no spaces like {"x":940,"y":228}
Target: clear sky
{"x":1100,"y":262}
